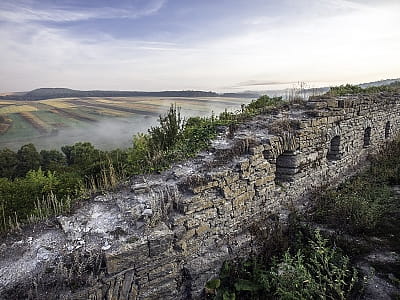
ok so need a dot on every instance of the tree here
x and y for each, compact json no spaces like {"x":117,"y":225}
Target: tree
{"x":8,"y":163}
{"x":28,"y":159}
{"x":52,"y":160}
{"x":81,"y":154}
{"x":165,"y":136}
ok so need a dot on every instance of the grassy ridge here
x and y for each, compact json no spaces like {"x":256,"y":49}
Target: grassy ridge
{"x":349,"y":89}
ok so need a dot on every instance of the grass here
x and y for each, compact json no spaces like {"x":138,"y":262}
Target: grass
{"x":35,"y":121}
{"x":57,"y":103}
{"x":349,"y":89}
{"x":112,"y":113}
{"x":56,"y":120}
{"x":17,"y":109}
{"x":20,"y":129}
{"x":75,"y":113}
{"x":359,"y":205}
{"x":312,"y":269}
{"x":72,"y":113}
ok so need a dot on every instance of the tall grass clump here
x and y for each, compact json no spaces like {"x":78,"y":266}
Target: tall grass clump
{"x":361,"y":204}
{"x":36,"y":196}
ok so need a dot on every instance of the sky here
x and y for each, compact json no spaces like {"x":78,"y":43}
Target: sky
{"x":222,"y":45}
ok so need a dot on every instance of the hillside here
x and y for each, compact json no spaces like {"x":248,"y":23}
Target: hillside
{"x":379,"y":83}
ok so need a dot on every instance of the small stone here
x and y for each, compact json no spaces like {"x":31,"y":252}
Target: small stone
{"x":106,"y":246}
{"x":147,"y":212}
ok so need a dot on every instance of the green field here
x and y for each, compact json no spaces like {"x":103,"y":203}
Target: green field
{"x":106,"y":122}
{"x":20,"y":130}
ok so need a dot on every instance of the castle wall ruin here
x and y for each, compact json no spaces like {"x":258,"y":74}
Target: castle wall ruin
{"x":164,"y":236}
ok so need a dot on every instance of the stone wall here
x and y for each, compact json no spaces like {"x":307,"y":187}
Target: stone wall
{"x":174,"y":230}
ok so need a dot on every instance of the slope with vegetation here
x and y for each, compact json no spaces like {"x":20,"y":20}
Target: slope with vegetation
{"x":35,"y":185}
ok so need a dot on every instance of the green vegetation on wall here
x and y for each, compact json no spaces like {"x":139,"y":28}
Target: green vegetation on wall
{"x":349,"y":89}
{"x":312,"y":270}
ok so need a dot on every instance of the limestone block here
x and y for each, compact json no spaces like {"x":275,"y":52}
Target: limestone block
{"x":126,"y":256}
{"x":162,"y":271}
{"x":317,"y":104}
{"x":207,"y":186}
{"x":202,"y":229}
{"x":160,"y":240}
{"x":256,"y":150}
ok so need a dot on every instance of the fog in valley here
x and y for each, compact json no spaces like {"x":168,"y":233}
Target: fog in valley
{"x":110,"y":133}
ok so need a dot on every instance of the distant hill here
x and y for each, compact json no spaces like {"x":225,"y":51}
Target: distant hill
{"x":379,"y":83}
{"x":52,"y":93}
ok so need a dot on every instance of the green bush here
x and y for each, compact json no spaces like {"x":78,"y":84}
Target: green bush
{"x":176,"y":139}
{"x":264,"y":102}
{"x":165,"y":136}
{"x":357,"y":206}
{"x":349,"y":89}
{"x":314,"y":271}
{"x":8,"y":163}
{"x":19,"y":198}
{"x":28,"y":159}
{"x":360,"y":204}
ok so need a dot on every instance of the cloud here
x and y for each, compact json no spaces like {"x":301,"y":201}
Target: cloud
{"x":10,"y":11}
{"x":262,"y":83}
{"x":360,"y":44}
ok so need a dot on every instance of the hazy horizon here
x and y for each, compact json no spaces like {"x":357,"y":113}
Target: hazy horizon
{"x":224,"y":46}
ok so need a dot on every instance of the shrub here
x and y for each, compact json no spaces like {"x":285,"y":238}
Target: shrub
{"x":315,"y":271}
{"x":349,"y":89}
{"x":357,"y":206}
{"x":360,"y":204}
{"x":264,"y":102}
{"x":176,"y":139}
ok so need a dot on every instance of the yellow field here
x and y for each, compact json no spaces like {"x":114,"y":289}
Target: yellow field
{"x":110,"y":101}
{"x":34,"y":121}
{"x":57,"y":103}
{"x":113,"y":113}
{"x":12,"y":109}
{"x":145,"y":107}
{"x":180,"y":103}
{"x":52,"y":117}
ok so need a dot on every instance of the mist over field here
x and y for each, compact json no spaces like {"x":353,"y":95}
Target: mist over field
{"x":117,"y":132}
{"x":105,"y":134}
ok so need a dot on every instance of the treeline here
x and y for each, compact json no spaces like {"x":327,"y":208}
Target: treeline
{"x":34,"y":185}
{"x":51,"y":93}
